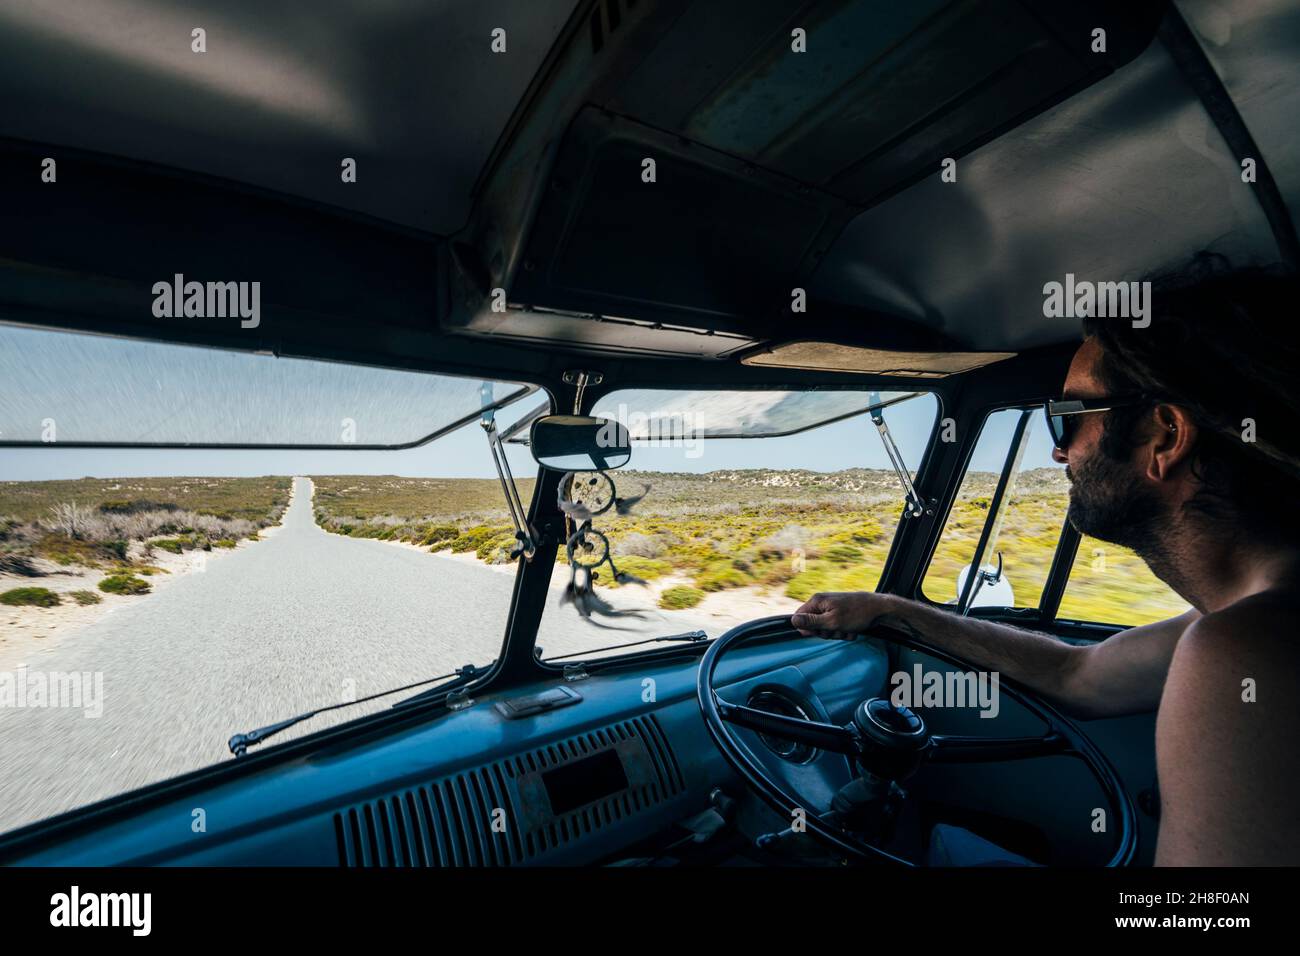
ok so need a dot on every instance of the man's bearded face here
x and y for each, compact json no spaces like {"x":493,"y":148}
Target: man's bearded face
{"x":1109,"y":502}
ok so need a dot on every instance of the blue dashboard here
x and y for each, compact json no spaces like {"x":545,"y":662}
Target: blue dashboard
{"x":480,"y":786}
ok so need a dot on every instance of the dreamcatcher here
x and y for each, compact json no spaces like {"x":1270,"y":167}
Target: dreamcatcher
{"x":583,"y":496}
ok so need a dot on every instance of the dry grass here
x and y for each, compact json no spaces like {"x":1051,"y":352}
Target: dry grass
{"x":90,"y":521}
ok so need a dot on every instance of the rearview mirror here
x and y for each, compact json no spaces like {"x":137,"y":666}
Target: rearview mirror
{"x":579,"y":443}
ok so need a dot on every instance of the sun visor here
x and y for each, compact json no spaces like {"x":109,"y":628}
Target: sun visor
{"x":832,"y":357}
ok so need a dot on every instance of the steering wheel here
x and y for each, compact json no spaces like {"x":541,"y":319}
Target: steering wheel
{"x":889,"y":744}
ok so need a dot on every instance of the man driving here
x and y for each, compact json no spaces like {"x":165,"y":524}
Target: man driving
{"x":1180,"y":442}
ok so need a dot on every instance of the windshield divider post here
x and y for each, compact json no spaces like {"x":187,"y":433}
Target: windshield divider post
{"x":1014,"y":453}
{"x":1058,"y":577}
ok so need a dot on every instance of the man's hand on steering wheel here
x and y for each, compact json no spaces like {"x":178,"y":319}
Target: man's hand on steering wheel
{"x":840,"y":614}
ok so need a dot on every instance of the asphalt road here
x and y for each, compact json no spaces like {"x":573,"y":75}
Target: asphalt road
{"x":285,"y":625}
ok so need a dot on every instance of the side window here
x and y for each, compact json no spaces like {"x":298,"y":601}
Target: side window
{"x":1027,"y":530}
{"x":1113,"y":585}
{"x":1108,"y":584}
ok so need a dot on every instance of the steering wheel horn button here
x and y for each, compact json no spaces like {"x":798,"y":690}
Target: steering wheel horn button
{"x":894,"y":739}
{"x":891,"y":726}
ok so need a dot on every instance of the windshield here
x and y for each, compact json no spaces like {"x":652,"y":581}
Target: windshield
{"x":155,"y":602}
{"x":727,"y":530}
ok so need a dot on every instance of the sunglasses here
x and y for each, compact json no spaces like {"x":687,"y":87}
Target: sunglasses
{"x":1062,"y":416}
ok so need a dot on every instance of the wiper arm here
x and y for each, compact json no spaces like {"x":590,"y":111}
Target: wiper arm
{"x":524,"y":534}
{"x":240,"y":743}
{"x":693,"y":637}
{"x":915,"y":507}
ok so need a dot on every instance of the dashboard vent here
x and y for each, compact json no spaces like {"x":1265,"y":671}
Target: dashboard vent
{"x":444,"y":823}
{"x":449,"y":822}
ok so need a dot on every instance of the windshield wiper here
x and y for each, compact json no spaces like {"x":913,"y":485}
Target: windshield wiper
{"x":241,"y":742}
{"x":693,"y":637}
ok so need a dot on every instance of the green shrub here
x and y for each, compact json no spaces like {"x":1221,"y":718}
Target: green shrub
{"x":67,"y":551}
{"x":437,"y":536}
{"x":777,"y":572}
{"x":680,"y":597}
{"x":174,"y":545}
{"x":494,"y":550}
{"x":719,"y":578}
{"x":477,"y":536}
{"x":85,"y":597}
{"x":692,"y":554}
{"x":116,"y":549}
{"x":223,"y":543}
{"x":825,"y":576}
{"x":136,"y":506}
{"x":844,"y":554}
{"x":864,"y":530}
{"x":807,"y":583}
{"x":148,"y":570}
{"x":34,"y":597}
{"x":647,"y":569}
{"x":125,"y":584}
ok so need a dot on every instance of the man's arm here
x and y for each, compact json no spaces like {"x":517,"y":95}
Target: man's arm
{"x":1121,"y":675}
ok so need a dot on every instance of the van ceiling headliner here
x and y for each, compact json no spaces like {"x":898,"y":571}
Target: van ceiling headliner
{"x":285,"y":91}
{"x":1127,"y":175}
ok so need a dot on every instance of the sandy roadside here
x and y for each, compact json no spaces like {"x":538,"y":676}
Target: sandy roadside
{"x":732,"y":606}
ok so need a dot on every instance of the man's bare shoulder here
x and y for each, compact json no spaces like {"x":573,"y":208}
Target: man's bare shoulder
{"x":1258,"y":628}
{"x":1247,"y":653}
{"x":1224,"y":737}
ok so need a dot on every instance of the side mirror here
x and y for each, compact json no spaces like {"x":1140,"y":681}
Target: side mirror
{"x":579,"y":443}
{"x":991,"y":588}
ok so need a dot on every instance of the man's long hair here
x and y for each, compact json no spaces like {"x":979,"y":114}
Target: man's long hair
{"x":1224,"y":344}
